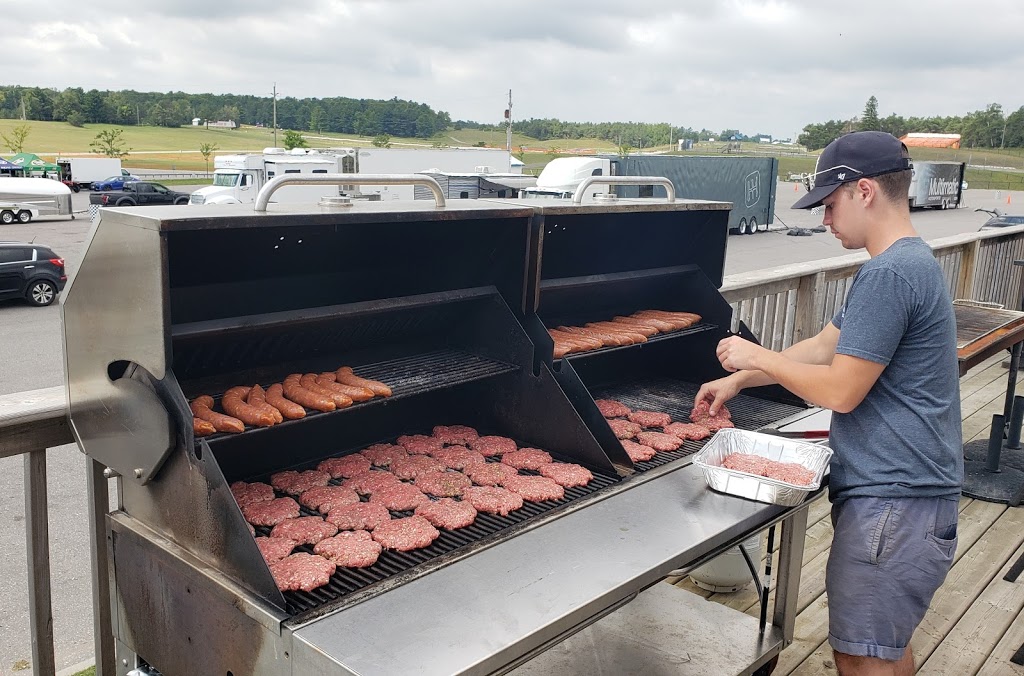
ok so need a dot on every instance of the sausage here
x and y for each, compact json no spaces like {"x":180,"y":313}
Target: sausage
{"x":258,"y":398}
{"x":652,"y":323}
{"x":645,"y":331}
{"x":289,"y":409}
{"x":300,"y":395}
{"x":202,"y":428}
{"x":676,"y":322}
{"x":561,"y":349}
{"x":202,"y":408}
{"x":309,"y":382}
{"x":354,"y":393}
{"x":346,"y":376}
{"x":233,"y":403}
{"x":692,"y":317}
{"x":585,"y":342}
{"x":607,"y":337}
{"x":626,"y":331}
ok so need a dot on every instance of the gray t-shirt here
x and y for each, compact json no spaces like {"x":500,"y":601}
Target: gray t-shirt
{"x":905,"y":439}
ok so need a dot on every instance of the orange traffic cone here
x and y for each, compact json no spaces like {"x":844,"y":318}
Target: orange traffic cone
{"x":795,"y":189}
{"x":1007,"y":199}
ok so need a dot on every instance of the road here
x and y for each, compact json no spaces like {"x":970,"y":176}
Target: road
{"x":32,"y":359}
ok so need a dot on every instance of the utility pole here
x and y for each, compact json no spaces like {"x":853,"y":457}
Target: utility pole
{"x":275,"y":114}
{"x":508,"y":130}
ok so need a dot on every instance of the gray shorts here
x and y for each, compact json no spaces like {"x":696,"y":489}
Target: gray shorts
{"x":888,"y":557}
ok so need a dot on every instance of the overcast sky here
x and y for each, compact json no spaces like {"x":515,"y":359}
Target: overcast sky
{"x":757,"y":65}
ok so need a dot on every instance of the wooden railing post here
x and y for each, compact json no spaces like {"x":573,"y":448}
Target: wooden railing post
{"x":810,"y":301}
{"x":103,"y":630}
{"x":968,"y":263}
{"x":40,"y":610}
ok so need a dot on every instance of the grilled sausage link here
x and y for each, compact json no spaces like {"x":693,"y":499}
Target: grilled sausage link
{"x":355,"y":393}
{"x":645,"y":331}
{"x":289,"y":409}
{"x":676,"y":322}
{"x":607,"y":337}
{"x":584,"y":342}
{"x":346,"y":376}
{"x":692,"y":317}
{"x":309,"y":382}
{"x":202,"y":408}
{"x":258,"y":398}
{"x":645,"y":321}
{"x":294,"y":390}
{"x":202,"y":428}
{"x":233,"y":403}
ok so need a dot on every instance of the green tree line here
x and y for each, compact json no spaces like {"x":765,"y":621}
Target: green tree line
{"x":631,"y":134}
{"x":988,"y":128}
{"x":366,"y":117}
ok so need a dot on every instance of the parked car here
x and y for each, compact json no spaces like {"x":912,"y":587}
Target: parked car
{"x":999,"y":220}
{"x":30,"y":271}
{"x":113,"y":182}
{"x":138,"y":193}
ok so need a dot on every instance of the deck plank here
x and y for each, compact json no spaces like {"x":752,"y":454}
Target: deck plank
{"x":967,"y":646}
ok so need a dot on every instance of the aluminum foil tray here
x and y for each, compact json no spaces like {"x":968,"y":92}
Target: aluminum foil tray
{"x":728,"y":441}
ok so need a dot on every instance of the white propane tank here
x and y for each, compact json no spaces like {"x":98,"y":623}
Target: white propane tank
{"x":728,"y":572}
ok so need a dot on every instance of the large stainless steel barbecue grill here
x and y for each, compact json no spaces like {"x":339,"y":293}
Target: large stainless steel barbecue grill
{"x":448,"y":306}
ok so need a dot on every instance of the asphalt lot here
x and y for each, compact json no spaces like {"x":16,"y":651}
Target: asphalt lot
{"x":31,"y":358}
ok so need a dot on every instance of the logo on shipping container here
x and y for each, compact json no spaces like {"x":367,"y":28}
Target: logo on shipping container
{"x":942,"y":186}
{"x":752,"y":184}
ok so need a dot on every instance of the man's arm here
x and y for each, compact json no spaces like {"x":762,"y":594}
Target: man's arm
{"x":839,"y":385}
{"x":818,"y":349}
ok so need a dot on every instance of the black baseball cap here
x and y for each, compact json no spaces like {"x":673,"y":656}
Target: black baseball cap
{"x":862,"y":154}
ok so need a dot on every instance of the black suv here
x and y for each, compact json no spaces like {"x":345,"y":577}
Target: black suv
{"x":30,"y":271}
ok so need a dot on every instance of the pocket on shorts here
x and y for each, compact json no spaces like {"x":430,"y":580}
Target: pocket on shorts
{"x":880,"y":534}
{"x":943,"y":535}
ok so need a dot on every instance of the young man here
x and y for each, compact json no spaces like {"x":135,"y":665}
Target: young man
{"x":886,"y":365}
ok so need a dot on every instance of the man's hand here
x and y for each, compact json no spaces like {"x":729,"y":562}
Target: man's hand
{"x":739,"y":354}
{"x":717,"y":392}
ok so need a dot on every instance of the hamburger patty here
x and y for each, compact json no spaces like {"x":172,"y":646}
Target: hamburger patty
{"x":412,"y":532}
{"x":443,"y":484}
{"x":650,"y":418}
{"x":610,"y":408}
{"x":535,"y":488}
{"x":492,"y":445}
{"x":274,"y":549}
{"x":493,"y":500}
{"x":248,"y":493}
{"x":457,"y":457}
{"x":491,"y":473}
{"x":382,"y":455}
{"x":306,"y":530}
{"x":349,"y":549}
{"x":270,"y":512}
{"x":325,"y":498}
{"x":448,"y":513}
{"x":369,"y":482}
{"x":659,"y":441}
{"x":420,"y":444}
{"x":624,"y":429}
{"x":301,"y":571}
{"x":294,"y":483}
{"x":414,"y":465}
{"x":638,"y":452}
{"x":527,"y":458}
{"x":455,"y":434}
{"x":344,"y":467}
{"x":399,"y":498}
{"x":360,"y":516}
{"x":567,"y":474}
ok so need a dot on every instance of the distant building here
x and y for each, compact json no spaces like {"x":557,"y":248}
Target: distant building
{"x":196,"y":121}
{"x":685,"y":144}
{"x":223,"y":124}
{"x":926,"y":140}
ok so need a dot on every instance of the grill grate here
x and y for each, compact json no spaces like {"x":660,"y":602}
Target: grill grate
{"x":657,"y":338}
{"x":346,"y":581}
{"x":675,"y":397}
{"x":406,"y":376}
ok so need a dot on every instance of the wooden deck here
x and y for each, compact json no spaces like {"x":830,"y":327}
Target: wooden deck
{"x":976,"y":620}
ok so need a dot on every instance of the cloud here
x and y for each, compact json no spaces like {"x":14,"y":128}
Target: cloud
{"x":758,"y":65}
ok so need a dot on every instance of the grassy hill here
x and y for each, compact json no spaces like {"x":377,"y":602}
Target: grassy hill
{"x":178,"y":148}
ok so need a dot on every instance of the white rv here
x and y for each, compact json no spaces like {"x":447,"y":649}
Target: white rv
{"x":238,"y":178}
{"x":485,"y":162}
{"x":51,"y":198}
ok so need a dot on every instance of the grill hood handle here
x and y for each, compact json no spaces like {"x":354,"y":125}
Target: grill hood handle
{"x":263,"y":197}
{"x":670,"y":188}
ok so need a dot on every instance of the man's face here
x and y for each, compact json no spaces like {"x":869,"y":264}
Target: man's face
{"x":842,"y":216}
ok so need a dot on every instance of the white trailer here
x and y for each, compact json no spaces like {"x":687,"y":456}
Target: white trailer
{"x":238,"y":178}
{"x":82,"y":171}
{"x":479,"y":161}
{"x":51,"y":198}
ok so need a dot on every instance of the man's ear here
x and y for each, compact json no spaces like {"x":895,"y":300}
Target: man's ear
{"x":867,"y":190}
